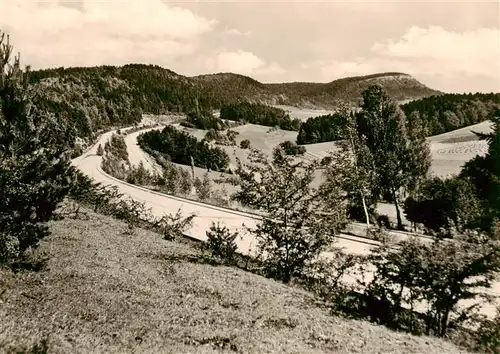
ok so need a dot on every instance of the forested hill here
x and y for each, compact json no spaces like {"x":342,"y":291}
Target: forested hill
{"x":312,"y":95}
{"x":448,"y":112}
{"x":440,"y":114}
{"x":97,"y":98}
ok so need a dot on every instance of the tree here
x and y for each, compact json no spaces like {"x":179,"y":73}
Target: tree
{"x":291,"y":148}
{"x":100,"y":150}
{"x":441,"y":205}
{"x":299,"y":222}
{"x":203,"y":187}
{"x":382,"y":127}
{"x":484,"y":173}
{"x":35,"y":168}
{"x":245,"y":144}
{"x":351,"y":167}
{"x":437,"y":274}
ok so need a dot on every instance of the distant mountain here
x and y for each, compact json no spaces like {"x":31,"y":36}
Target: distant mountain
{"x":97,"y":98}
{"x":312,"y":95}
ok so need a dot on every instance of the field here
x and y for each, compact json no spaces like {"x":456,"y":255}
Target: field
{"x":104,"y":290}
{"x":449,"y":151}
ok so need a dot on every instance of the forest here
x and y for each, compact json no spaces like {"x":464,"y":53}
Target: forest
{"x":439,"y":114}
{"x":257,"y":113}
{"x":180,"y":147}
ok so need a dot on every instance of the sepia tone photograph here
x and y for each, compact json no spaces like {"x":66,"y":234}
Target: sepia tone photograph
{"x":252,"y":177}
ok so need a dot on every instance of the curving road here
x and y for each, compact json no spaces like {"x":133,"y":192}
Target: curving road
{"x":160,"y":204}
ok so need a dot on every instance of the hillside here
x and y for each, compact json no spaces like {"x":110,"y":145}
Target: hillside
{"x":138,"y":293}
{"x":314,"y":95}
{"x":98,"y":98}
{"x":447,"y":112}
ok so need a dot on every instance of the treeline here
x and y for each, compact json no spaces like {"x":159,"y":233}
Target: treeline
{"x":321,"y":129}
{"x":448,"y":112}
{"x":438,"y":114}
{"x":204,"y":120}
{"x":261,"y":114}
{"x":180,"y":147}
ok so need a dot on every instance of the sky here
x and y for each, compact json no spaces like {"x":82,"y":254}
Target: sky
{"x":452,"y":46}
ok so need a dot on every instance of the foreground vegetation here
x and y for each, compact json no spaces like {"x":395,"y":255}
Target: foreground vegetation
{"x":140,"y":293}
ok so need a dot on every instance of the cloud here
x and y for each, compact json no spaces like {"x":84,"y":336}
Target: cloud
{"x":432,"y":54}
{"x":238,"y":62}
{"x":101,"y":32}
{"x":245,"y":63}
{"x":471,"y":53}
{"x":236,"y":32}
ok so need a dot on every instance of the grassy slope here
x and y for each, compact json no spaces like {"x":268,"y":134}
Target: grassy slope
{"x":106,"y":291}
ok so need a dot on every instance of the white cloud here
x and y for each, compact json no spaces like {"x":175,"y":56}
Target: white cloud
{"x":432,"y":54}
{"x":240,"y":62}
{"x":471,"y":53}
{"x":236,"y":32}
{"x":50,"y":34}
{"x":245,"y":63}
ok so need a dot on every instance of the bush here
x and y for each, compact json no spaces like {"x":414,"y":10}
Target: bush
{"x":203,"y":187}
{"x":291,"y":148}
{"x":173,"y":226}
{"x":221,"y":242}
{"x":245,"y":144}
{"x":299,"y":224}
{"x":443,"y":205}
{"x":438,"y":274}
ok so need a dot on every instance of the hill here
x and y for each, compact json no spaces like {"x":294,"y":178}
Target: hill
{"x":139,"y":293}
{"x":98,"y":98}
{"x":314,"y":95}
{"x":447,"y":112}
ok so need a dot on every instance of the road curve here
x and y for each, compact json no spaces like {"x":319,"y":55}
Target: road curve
{"x":160,"y":204}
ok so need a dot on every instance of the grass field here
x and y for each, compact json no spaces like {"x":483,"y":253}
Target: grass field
{"x":104,"y":290}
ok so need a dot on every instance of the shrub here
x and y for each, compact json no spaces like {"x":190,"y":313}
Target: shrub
{"x":203,"y":187}
{"x":245,"y":144}
{"x":174,"y":225}
{"x":439,"y":274}
{"x":100,"y":150}
{"x":291,"y":148}
{"x":299,"y":223}
{"x":221,"y":242}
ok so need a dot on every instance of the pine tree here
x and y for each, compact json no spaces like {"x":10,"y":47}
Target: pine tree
{"x":35,"y":169}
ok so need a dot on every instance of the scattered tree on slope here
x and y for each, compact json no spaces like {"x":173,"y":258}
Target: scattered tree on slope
{"x":300,"y":221}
